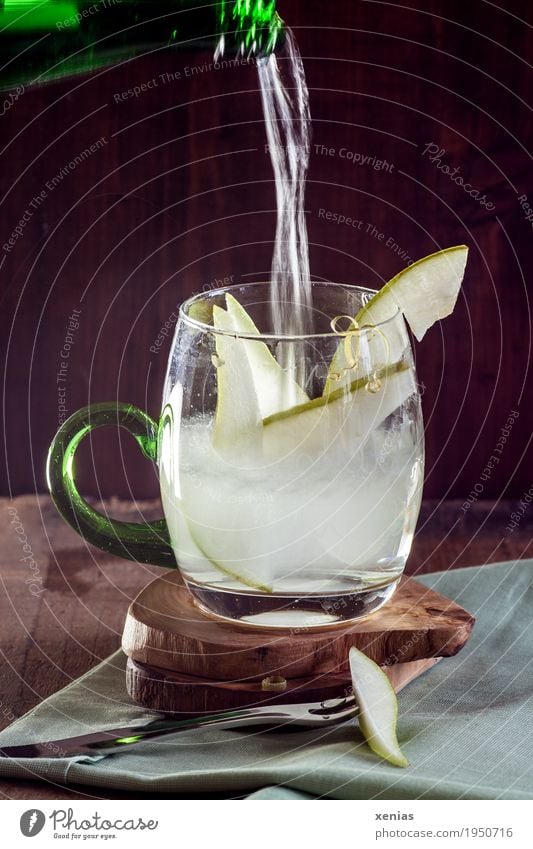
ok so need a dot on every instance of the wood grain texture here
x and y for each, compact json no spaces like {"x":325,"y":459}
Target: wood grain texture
{"x":163,"y":690}
{"x":165,"y":628}
{"x":181,"y":196}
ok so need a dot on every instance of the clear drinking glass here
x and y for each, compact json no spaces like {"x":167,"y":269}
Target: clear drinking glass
{"x":290,"y":468}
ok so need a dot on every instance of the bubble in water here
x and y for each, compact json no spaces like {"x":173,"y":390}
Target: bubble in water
{"x":374,"y":385}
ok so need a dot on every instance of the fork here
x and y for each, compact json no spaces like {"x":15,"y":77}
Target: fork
{"x":298,"y":717}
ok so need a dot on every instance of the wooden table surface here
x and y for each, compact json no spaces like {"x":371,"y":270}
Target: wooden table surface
{"x":73,"y":618}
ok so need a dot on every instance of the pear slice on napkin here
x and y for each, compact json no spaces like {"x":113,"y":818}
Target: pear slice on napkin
{"x":378,"y":707}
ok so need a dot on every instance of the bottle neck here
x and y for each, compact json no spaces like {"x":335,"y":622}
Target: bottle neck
{"x":42,"y":40}
{"x":250,"y":27}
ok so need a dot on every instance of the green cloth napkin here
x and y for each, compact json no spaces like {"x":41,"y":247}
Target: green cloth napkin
{"x":465,"y":725}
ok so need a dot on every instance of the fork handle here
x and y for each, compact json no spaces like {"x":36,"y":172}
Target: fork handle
{"x":118,"y":739}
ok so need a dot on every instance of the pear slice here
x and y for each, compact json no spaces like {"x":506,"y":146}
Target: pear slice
{"x":196,"y":543}
{"x":238,"y":574}
{"x":192,"y":541}
{"x":275,"y":388}
{"x":236,"y":438}
{"x":378,"y":707}
{"x":237,"y":417}
{"x":348,"y":414}
{"x":424,"y":292}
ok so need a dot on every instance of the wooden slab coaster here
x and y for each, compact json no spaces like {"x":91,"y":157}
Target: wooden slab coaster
{"x":171,"y":692}
{"x":166,"y":630}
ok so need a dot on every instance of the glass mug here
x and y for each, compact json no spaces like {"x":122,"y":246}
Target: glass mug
{"x":290,"y":467}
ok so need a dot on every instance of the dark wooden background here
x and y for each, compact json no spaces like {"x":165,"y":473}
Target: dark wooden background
{"x":180,"y":195}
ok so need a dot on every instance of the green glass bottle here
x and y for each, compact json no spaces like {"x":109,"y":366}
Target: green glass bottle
{"x":42,"y":40}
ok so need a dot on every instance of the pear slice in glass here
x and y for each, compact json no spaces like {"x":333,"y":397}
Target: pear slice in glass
{"x":424,"y":292}
{"x":275,"y":388}
{"x":345,"y":417}
{"x":237,"y":416}
{"x":236,"y":438}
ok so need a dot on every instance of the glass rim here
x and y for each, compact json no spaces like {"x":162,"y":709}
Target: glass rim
{"x":286,"y":337}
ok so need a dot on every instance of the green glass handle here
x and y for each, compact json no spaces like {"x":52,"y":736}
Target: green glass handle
{"x":145,"y":543}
